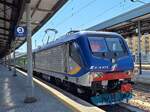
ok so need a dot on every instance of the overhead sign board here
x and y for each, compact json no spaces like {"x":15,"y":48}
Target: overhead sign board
{"x":21,"y":31}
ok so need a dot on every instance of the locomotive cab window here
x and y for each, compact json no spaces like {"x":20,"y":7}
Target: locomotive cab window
{"x":106,"y":46}
{"x":114,"y":44}
{"x":74,"y":52}
{"x":98,"y":44}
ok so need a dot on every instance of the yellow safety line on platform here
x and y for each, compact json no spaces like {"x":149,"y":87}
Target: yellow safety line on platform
{"x":66,"y":100}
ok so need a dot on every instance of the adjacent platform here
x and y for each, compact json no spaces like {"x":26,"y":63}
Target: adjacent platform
{"x":13,"y":92}
{"x":144,"y":77}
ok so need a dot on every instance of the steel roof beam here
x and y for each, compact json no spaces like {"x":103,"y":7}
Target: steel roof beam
{"x":5,"y":19}
{"x":33,"y":23}
{"x":44,"y":10}
{"x":1,"y":44}
{"x":3,"y":38}
{"x":37,"y":5}
{"x":4,"y":28}
{"x":7,"y":4}
{"x":6,"y":43}
{"x":3,"y":34}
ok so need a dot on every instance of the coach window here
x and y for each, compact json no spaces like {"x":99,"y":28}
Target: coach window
{"x":74,"y":52}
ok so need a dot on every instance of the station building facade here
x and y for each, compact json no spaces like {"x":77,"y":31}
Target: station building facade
{"x":145,"y":46}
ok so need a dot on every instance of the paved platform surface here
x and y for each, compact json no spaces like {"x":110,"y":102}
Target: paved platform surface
{"x":13,"y":92}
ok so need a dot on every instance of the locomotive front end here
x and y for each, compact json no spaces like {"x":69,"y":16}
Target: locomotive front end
{"x":111,"y":69}
{"x":111,"y":88}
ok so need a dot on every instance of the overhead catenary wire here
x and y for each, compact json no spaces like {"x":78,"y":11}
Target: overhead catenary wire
{"x":140,"y":1}
{"x":70,"y":2}
{"x":82,"y":9}
{"x":85,"y":6}
{"x":76,"y":12}
{"x":100,"y":14}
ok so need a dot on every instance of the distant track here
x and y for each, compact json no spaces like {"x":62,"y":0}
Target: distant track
{"x":131,"y":108}
{"x":144,"y":66}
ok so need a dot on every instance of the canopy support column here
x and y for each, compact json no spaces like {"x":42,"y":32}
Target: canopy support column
{"x":14,"y":59}
{"x":139,"y":47}
{"x":30,"y":85}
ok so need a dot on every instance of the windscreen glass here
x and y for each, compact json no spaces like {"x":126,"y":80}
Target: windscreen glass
{"x":98,"y":44}
{"x":106,"y":44}
{"x":114,"y":44}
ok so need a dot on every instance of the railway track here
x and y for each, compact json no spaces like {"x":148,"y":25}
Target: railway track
{"x":123,"y":107}
{"x":130,"y":108}
{"x":142,"y":87}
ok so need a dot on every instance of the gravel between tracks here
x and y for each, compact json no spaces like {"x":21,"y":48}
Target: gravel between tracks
{"x":142,"y":97}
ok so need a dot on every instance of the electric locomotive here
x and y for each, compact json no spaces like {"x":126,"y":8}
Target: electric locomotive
{"x":89,"y":62}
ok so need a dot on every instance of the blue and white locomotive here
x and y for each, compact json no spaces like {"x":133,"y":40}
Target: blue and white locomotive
{"x":89,"y":62}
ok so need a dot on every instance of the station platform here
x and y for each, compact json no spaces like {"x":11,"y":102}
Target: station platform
{"x":13,"y":92}
{"x":143,"y":78}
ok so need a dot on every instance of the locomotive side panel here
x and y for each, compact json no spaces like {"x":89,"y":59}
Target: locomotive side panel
{"x":60,"y":59}
{"x":52,"y":59}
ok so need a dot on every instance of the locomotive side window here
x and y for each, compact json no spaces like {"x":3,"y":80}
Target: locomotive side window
{"x":74,"y":52}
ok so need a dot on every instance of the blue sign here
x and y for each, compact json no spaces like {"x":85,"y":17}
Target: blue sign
{"x":21,"y":31}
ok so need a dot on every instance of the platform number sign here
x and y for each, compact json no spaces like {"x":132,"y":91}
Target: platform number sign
{"x":21,"y":31}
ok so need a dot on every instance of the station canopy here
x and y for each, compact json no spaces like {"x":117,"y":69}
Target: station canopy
{"x":127,"y":23}
{"x":12,"y":13}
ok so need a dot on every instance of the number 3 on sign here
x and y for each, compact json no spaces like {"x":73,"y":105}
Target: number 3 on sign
{"x":20,"y":30}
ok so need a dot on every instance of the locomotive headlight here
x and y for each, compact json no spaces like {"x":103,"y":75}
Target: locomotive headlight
{"x":130,"y":73}
{"x":97,"y":74}
{"x":94,"y":76}
{"x":113,"y":60}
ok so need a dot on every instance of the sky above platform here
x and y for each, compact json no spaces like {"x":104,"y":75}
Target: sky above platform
{"x":80,"y":15}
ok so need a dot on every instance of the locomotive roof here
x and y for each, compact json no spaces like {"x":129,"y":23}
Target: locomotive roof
{"x":72,"y":36}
